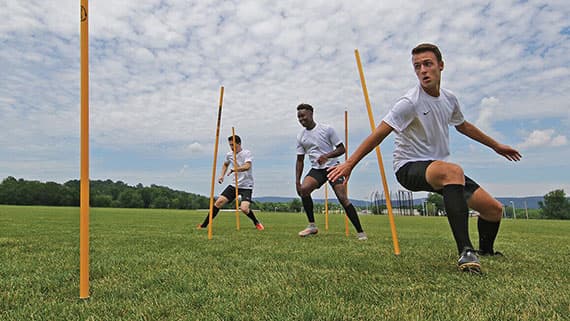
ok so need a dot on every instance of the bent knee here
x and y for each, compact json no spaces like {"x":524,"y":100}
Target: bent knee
{"x":220,"y":202}
{"x":441,"y":173}
{"x":496,"y":211}
{"x":493,"y":212}
{"x":454,"y":172}
{"x":305,"y":192}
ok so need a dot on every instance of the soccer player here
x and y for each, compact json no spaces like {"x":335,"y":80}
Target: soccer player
{"x":244,"y":169}
{"x":421,"y":120}
{"x":323,"y":146}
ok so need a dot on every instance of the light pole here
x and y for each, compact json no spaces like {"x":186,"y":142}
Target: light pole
{"x":514,"y":211}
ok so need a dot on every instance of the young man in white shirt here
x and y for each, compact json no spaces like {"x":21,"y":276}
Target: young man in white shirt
{"x":321,"y":143}
{"x":244,"y":169}
{"x":421,"y":119}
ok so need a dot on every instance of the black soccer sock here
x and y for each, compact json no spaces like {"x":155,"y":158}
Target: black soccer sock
{"x":308,"y":206}
{"x":353,"y":217}
{"x":252,"y":217}
{"x":207,"y":219}
{"x":487,"y":234}
{"x":457,"y":214}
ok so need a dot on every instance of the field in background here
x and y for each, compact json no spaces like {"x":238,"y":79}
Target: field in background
{"x":154,"y":265}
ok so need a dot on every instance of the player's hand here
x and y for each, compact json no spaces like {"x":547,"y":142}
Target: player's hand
{"x":221,"y":179}
{"x":508,"y":152}
{"x":338,"y":171}
{"x":322,"y":159}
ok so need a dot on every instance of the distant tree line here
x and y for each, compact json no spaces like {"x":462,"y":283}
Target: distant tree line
{"x":102,"y":194}
{"x":116,"y":194}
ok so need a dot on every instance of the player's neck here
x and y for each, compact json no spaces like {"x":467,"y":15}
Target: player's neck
{"x":311,"y":125}
{"x":432,"y":90}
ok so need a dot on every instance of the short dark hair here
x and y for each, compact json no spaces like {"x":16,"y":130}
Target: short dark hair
{"x":305,"y":107}
{"x":238,"y":139}
{"x":424,"y":47}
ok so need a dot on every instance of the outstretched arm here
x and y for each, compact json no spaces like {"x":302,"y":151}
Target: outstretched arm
{"x":373,"y":140}
{"x":471,"y":131}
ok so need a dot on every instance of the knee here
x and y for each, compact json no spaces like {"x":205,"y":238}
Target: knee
{"x":496,"y":211}
{"x":244,"y":208}
{"x":455,"y":172}
{"x":304,"y":192}
{"x":492,"y":212}
{"x":220,"y":202}
{"x":450,"y":174}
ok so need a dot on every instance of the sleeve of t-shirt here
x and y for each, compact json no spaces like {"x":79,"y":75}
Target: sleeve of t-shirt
{"x":333,"y":137}
{"x":248,"y":157}
{"x":401,"y":115}
{"x":457,"y":117}
{"x":229,"y":158}
{"x":300,"y":149}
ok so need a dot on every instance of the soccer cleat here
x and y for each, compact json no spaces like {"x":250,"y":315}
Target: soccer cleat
{"x":469,"y":262}
{"x":259,"y":227}
{"x":361,"y":236}
{"x":199,"y":227}
{"x":310,"y":230}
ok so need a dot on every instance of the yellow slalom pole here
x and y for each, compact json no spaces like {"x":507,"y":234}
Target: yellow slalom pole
{"x":214,"y":165}
{"x":326,"y":207}
{"x":379,"y":156}
{"x":346,"y":231}
{"x":84,"y":181}
{"x":236,"y":177}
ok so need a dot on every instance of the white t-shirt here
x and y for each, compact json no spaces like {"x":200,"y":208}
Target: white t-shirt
{"x":245,"y":179}
{"x":320,"y":140}
{"x":421,"y":123}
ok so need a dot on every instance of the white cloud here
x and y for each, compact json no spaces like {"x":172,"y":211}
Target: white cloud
{"x":157,"y":66}
{"x":558,"y":141}
{"x":487,"y":113}
{"x":543,"y":138}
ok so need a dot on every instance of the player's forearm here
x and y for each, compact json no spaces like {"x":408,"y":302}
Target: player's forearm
{"x":298,"y":172}
{"x":224,"y":169}
{"x":369,"y":143}
{"x":476,"y":134}
{"x":340,"y":150}
{"x":243,"y":168}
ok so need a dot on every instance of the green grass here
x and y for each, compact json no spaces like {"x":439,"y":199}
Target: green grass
{"x":153,"y":265}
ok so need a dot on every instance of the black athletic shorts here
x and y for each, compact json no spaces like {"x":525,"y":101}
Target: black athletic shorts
{"x":321,"y":176}
{"x":230,"y":193}
{"x":413,"y":177}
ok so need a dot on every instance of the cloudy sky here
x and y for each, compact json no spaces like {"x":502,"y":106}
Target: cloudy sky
{"x":156,"y":68}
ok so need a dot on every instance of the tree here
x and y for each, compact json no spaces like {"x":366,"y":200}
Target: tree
{"x":437,"y":201}
{"x":295,"y":205}
{"x":555,"y":205}
{"x":130,"y":199}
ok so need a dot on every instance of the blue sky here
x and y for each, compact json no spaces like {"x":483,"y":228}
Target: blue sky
{"x":156,"y":68}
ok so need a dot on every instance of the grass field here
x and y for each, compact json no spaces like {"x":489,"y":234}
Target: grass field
{"x":153,"y":265}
